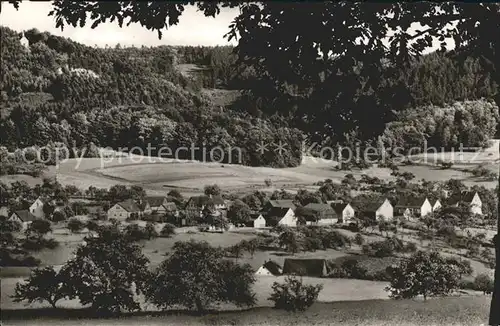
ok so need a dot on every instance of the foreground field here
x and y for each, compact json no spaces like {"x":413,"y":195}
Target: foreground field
{"x":463,"y":311}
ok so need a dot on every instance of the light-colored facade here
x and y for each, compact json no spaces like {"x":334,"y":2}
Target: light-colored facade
{"x":385,"y":211}
{"x":37,"y":208}
{"x":259,"y":222}
{"x":289,"y":219}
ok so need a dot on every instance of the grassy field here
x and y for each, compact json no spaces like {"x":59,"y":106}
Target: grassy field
{"x":456,"y":311}
{"x":158,"y":176}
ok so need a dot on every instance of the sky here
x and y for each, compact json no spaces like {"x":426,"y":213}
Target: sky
{"x":193,"y":28}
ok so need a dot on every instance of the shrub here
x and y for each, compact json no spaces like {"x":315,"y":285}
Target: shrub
{"x":293,"y":295}
{"x":410,"y":247}
{"x":75,"y":225}
{"x":268,"y":182}
{"x":168,"y":230}
{"x":92,"y":225}
{"x":359,"y":239}
{"x":483,"y":283}
{"x":150,"y":231}
{"x":384,"y":248}
{"x":335,"y":239}
{"x":312,"y":244}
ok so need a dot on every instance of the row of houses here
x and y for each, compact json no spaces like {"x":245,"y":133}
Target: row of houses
{"x":275,"y":212}
{"x":333,"y":212}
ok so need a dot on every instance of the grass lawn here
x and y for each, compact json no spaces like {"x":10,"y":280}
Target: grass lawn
{"x":463,"y":311}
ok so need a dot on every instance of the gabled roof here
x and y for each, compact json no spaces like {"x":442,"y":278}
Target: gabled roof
{"x":273,"y":267}
{"x":155,"y":201}
{"x":465,"y":197}
{"x":372,"y":206}
{"x":305,"y":267}
{"x":278,"y":211}
{"x":410,"y":201}
{"x":319,"y":207}
{"x":255,"y":216}
{"x":130,"y":206}
{"x":282,"y":203}
{"x":25,"y":215}
{"x":339,"y":207}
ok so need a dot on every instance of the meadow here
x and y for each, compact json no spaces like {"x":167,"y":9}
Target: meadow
{"x":452,"y":311}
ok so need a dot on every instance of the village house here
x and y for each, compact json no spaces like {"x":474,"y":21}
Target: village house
{"x":305,"y":267}
{"x":257,"y":220}
{"x":345,"y":212}
{"x":281,"y":216}
{"x":155,"y":205}
{"x":24,"y":217}
{"x":323,"y":213}
{"x":195,"y":205}
{"x":281,"y":203}
{"x":124,"y":210}
{"x":4,"y":211}
{"x":470,"y":198}
{"x":269,"y":268}
{"x":380,"y":209}
{"x":412,"y":207}
{"x":37,"y":208}
{"x":437,"y":205}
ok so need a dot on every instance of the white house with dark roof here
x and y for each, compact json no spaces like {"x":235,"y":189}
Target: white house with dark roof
{"x":412,"y":207}
{"x":436,"y":205}
{"x":344,"y":211}
{"x":24,"y":217}
{"x":470,"y":198}
{"x":378,"y":209}
{"x":123,"y":210}
{"x":36,"y":208}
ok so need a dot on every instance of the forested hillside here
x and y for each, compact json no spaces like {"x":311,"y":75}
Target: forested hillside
{"x":59,"y":91}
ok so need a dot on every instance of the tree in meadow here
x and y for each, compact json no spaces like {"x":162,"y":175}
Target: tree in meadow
{"x":107,"y":272}
{"x":43,"y":284}
{"x":426,"y":274}
{"x":197,"y":276}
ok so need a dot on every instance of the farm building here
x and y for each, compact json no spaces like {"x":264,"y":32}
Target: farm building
{"x":344,"y":211}
{"x":257,"y":221}
{"x":411,"y":207}
{"x":124,"y":210}
{"x":323,"y":213}
{"x":158,"y":205}
{"x":379,"y":209}
{"x":281,"y":216}
{"x":24,"y":217}
{"x":270,"y":268}
{"x":282,"y":203}
{"x":37,"y":208}
{"x":437,"y":205}
{"x":470,"y":198}
{"x":305,"y":267}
